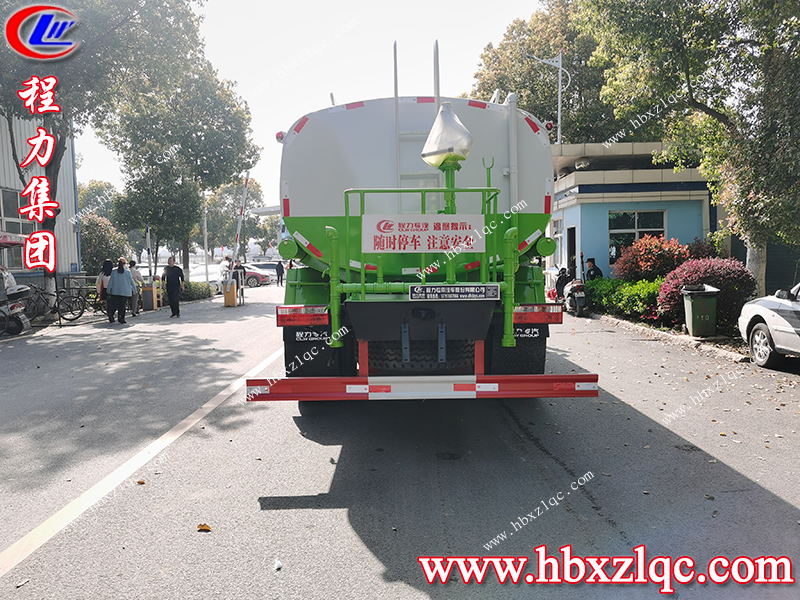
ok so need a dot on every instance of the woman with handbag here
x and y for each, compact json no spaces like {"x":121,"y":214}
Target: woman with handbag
{"x":120,"y":290}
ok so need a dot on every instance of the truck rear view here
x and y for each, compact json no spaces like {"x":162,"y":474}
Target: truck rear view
{"x":419,"y":224}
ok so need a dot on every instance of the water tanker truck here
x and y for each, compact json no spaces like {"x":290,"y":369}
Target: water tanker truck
{"x":417,"y":227}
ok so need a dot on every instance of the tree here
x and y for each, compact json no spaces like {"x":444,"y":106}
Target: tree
{"x":585,"y":117}
{"x":164,"y":198}
{"x":96,"y":197}
{"x":194,"y":119}
{"x":122,"y":44}
{"x":100,"y":240}
{"x":736,"y":64}
{"x":269,"y":233}
{"x":223,"y":214}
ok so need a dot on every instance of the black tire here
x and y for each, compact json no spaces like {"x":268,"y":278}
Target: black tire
{"x":34,"y":306}
{"x":3,"y":323}
{"x":253,"y":281}
{"x":14,"y":326}
{"x":580,"y":310}
{"x":71,"y":307}
{"x":386,"y":358}
{"x":762,"y":348}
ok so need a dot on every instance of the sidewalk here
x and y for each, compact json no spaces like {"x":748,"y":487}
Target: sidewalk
{"x":676,"y":339}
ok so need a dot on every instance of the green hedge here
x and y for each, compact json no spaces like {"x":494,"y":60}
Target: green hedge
{"x":637,"y":300}
{"x":601,"y":292}
{"x":193,"y":290}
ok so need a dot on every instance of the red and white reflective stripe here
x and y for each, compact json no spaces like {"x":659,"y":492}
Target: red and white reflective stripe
{"x":423,"y":387}
{"x":289,"y":138}
{"x":306,"y":244}
{"x":417,"y":100}
{"x":540,"y":132}
{"x":484,"y":105}
{"x":357,"y":265}
{"x":286,"y":208}
{"x":529,"y":240}
{"x":539,"y":313}
{"x":300,"y":124}
{"x":472,"y":265}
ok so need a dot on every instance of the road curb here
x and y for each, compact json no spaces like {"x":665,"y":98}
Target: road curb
{"x":675,"y":339}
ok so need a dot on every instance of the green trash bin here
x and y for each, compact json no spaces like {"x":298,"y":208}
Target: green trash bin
{"x":700,"y":304}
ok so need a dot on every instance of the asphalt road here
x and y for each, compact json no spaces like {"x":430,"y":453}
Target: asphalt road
{"x":346,"y":500}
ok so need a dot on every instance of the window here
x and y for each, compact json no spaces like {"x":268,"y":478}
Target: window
{"x":13,"y":222}
{"x":625,"y":227}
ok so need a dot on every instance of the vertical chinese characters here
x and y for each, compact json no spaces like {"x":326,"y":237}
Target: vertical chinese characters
{"x":40,"y":246}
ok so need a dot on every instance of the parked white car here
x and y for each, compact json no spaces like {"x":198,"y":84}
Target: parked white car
{"x":771,"y":325}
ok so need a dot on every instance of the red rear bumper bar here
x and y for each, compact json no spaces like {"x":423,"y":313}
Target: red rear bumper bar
{"x":423,"y":387}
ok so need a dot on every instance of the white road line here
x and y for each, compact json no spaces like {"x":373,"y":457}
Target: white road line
{"x":24,"y":547}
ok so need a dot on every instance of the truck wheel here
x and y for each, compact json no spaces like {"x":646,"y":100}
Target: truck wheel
{"x":253,"y":281}
{"x":762,"y":348}
{"x":387,"y":358}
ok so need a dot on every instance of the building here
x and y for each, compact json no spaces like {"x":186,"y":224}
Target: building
{"x":67,"y":244}
{"x":607,"y":197}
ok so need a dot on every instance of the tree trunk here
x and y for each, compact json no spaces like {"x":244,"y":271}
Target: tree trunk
{"x":185,"y":253}
{"x":757,"y":263}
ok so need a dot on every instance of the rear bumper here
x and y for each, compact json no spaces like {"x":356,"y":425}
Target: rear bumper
{"x":423,"y":387}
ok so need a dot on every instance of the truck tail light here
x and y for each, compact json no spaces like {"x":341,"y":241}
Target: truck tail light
{"x":539,"y":313}
{"x":299,"y":315}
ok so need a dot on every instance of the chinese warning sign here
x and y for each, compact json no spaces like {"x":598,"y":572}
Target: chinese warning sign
{"x":421,"y":233}
{"x":40,"y":246}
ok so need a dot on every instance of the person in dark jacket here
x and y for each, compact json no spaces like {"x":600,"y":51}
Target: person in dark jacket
{"x":173,"y":276}
{"x":239,"y":276}
{"x":120,"y":290}
{"x":279,"y":272}
{"x":592,"y":271}
{"x":561,"y":282}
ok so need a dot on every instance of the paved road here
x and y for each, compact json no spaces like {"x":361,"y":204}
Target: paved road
{"x":348,"y":498}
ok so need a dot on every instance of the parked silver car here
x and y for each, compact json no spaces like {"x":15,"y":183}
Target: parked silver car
{"x":771,"y":325}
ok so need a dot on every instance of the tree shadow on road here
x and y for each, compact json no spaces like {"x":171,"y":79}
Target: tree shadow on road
{"x":444,"y":478}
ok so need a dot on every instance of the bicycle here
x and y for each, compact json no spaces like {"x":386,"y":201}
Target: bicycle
{"x":69,"y":307}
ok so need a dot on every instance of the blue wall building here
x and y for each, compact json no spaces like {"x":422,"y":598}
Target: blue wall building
{"x":607,"y":197}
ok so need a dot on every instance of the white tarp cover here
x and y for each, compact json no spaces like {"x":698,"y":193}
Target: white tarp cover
{"x":448,"y":138}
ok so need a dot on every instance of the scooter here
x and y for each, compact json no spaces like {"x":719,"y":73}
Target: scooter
{"x":570,"y":292}
{"x":575,"y":298}
{"x":12,"y":317}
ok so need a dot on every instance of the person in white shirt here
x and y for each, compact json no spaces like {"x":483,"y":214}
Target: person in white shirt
{"x":139,"y":281}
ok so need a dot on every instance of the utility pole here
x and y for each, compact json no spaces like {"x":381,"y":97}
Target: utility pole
{"x":555,"y":62}
{"x":205,"y":234}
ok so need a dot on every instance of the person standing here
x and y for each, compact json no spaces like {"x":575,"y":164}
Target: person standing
{"x":279,"y":272}
{"x":239,"y":276}
{"x":138,"y":281}
{"x":592,"y":272}
{"x":120,"y":290}
{"x":173,"y":275}
{"x":101,"y":283}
